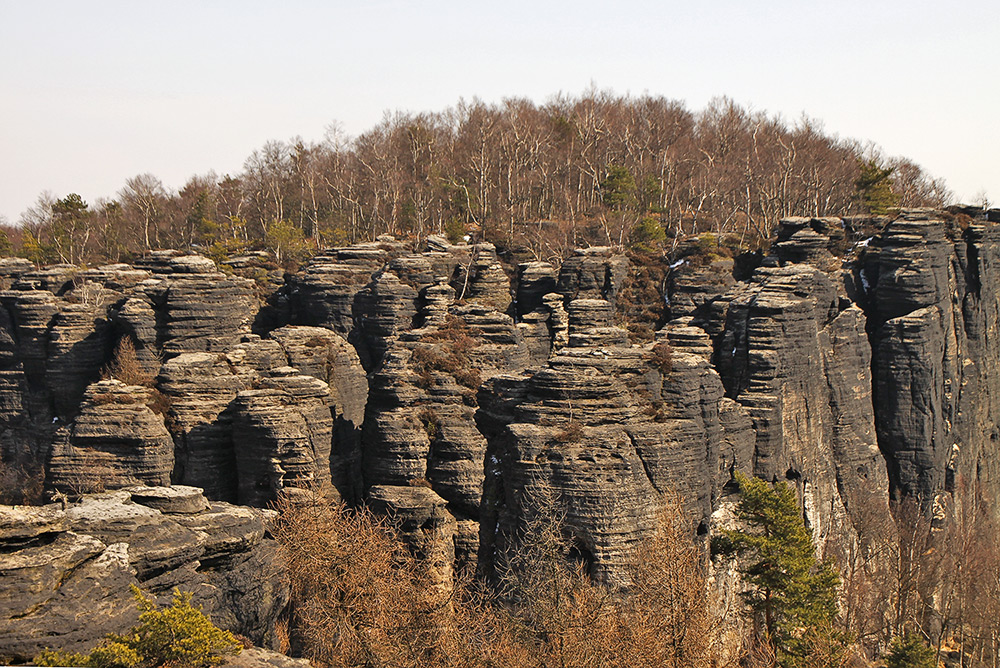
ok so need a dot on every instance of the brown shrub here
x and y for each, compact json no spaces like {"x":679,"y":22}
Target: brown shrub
{"x":449,"y":354}
{"x":22,"y":481}
{"x":360,"y":598}
{"x":125,"y":366}
{"x":105,"y":398}
{"x":572,"y":433}
{"x":662,"y":357}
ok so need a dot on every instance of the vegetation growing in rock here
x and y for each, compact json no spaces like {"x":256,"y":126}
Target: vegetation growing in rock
{"x":446,"y":350}
{"x":180,"y":635}
{"x":22,"y":480}
{"x":795,"y":593}
{"x":125,"y":365}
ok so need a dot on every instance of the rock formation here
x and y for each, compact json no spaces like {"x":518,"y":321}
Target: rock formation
{"x":856,"y":360}
{"x":66,"y":571}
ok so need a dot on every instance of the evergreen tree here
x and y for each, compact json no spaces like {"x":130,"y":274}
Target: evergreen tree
{"x":910,"y":652}
{"x":794,"y":592}
{"x":874,"y":188}
{"x":618,"y":187}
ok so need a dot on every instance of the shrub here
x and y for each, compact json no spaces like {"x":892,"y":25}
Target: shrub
{"x":180,"y":636}
{"x":572,"y":433}
{"x":910,"y":651}
{"x":450,"y":355}
{"x":662,"y":357}
{"x":125,"y":365}
{"x":360,"y":598}
{"x":647,"y":235}
{"x":22,"y":481}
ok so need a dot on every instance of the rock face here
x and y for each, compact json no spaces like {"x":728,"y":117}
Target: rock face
{"x":931,"y":291}
{"x":859,"y":357}
{"x":604,"y":429}
{"x":324,"y":355}
{"x":282,"y":434}
{"x":66,"y":572}
{"x":795,"y":356}
{"x":194,"y":307}
{"x":116,"y":441}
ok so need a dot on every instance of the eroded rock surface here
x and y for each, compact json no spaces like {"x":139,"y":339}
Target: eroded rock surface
{"x":66,"y":572}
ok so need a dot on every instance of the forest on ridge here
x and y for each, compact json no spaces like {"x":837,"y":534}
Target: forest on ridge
{"x":597,"y":168}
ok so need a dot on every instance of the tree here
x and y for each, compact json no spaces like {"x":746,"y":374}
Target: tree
{"x":287,"y":241}
{"x":794,"y":592}
{"x":70,"y":227}
{"x":143,"y":199}
{"x":910,"y":651}
{"x":874,"y":188}
{"x":617,"y":187}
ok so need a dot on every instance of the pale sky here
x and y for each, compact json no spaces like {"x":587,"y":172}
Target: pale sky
{"x":95,"y":92}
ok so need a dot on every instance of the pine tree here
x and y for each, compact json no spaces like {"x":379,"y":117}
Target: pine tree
{"x":795,"y":593}
{"x":910,"y":652}
{"x":874,"y":188}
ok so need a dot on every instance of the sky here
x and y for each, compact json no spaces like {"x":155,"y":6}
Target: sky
{"x":93,"y":93}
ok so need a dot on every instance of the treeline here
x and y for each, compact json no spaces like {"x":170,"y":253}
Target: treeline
{"x":597,"y":168}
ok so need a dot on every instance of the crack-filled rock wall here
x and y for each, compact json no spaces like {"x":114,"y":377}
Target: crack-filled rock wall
{"x":931,"y":285}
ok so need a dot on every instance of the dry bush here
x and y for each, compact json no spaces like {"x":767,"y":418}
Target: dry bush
{"x":449,"y":354}
{"x":662,"y":357}
{"x":665,"y":614}
{"x":22,"y":481}
{"x":661,"y":618}
{"x":125,"y":365}
{"x":573,"y":433}
{"x":360,"y":599}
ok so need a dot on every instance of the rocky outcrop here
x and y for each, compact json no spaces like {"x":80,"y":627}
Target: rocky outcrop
{"x":592,"y":273}
{"x":931,"y":292}
{"x":201,"y":388}
{"x":425,"y":525}
{"x":421,"y":383}
{"x":324,"y":355}
{"x":282,"y":433}
{"x":116,"y":441}
{"x":246,"y":424}
{"x":194,"y":307}
{"x":604,"y":429}
{"x":66,"y":572}
{"x":792,"y":353}
{"x":322,"y":294}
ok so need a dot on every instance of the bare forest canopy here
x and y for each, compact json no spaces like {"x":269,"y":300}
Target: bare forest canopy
{"x":594,"y":169}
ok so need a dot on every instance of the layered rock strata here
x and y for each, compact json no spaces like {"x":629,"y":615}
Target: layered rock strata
{"x":931,"y":292}
{"x":67,"y":571}
{"x":116,"y":441}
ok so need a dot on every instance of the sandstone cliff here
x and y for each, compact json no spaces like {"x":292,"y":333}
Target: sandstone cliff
{"x":451,"y":390}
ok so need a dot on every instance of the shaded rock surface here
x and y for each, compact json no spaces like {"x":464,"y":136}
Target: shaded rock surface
{"x":931,"y":293}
